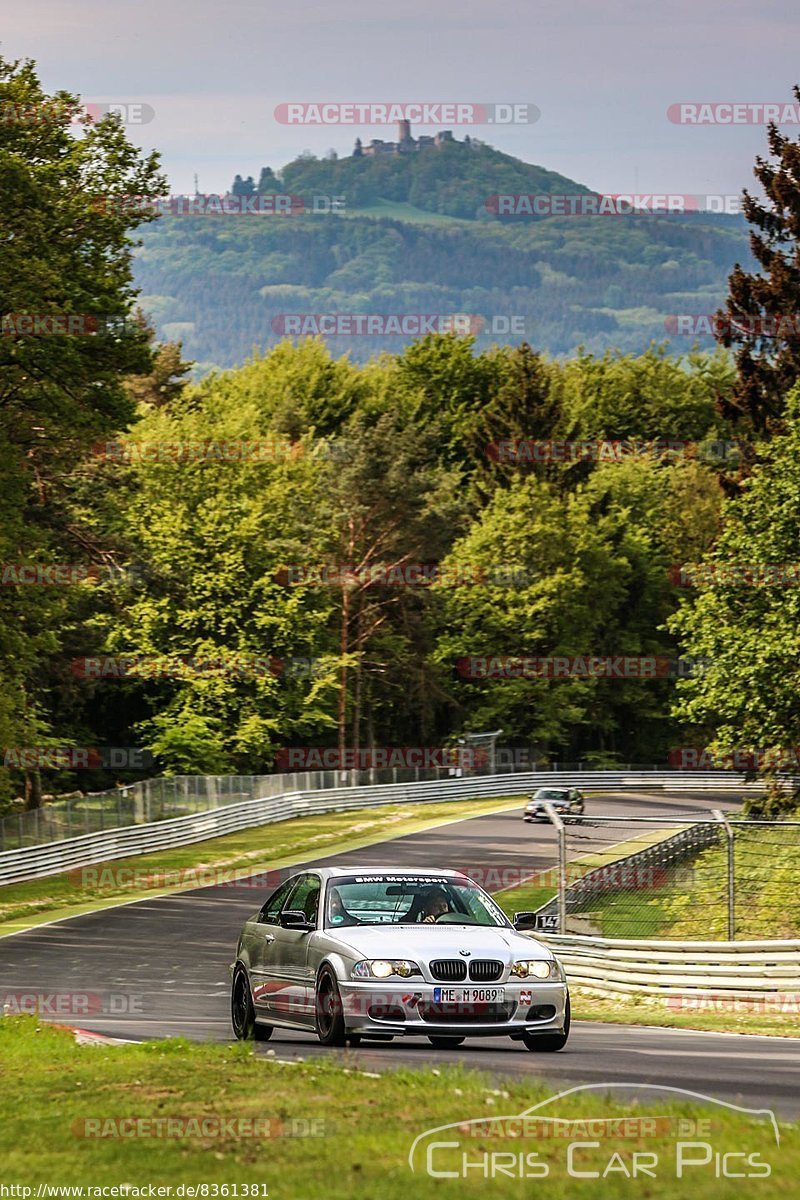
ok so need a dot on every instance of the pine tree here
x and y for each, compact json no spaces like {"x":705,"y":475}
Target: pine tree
{"x":761,"y":320}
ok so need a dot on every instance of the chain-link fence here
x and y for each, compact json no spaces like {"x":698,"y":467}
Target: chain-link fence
{"x":688,"y":878}
{"x":179,"y":795}
{"x":149,"y":800}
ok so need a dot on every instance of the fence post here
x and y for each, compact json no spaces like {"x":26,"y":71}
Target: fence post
{"x":720,"y":816}
{"x":561,"y":832}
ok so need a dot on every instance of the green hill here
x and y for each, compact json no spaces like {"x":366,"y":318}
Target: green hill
{"x":416,"y":234}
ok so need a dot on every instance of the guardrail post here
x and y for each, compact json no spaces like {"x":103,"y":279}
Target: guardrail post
{"x":720,"y":816}
{"x":561,"y":833}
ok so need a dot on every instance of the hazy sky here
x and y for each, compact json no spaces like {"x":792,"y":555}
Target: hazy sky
{"x":602,"y":73}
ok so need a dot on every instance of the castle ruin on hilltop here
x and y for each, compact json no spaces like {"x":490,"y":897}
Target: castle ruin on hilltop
{"x":405,"y":143}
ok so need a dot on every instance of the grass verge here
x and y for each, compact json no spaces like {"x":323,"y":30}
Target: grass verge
{"x":23,"y":905}
{"x":362,"y":1125}
{"x":695,"y":907}
{"x":541,"y":887}
{"x":770,"y":1016}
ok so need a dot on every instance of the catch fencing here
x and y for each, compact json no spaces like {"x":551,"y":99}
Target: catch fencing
{"x":674,"y":877}
{"x":167,"y":797}
{"x":213,"y":806}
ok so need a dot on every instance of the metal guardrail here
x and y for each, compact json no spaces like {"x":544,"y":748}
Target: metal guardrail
{"x":727,"y":970}
{"x":33,"y":862}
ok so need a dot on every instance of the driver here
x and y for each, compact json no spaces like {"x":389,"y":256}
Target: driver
{"x":337,"y":913}
{"x":434,"y":905}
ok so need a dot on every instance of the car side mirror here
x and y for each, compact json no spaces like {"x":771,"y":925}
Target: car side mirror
{"x":524,"y":920}
{"x":293,"y":918}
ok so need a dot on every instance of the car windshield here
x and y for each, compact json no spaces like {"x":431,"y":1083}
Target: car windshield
{"x":549,"y":794}
{"x":409,"y":900}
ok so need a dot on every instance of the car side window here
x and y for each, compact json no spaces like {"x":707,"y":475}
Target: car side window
{"x":304,"y":897}
{"x":270,"y":910}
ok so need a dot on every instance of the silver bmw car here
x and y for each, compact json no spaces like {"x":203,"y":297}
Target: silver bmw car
{"x":377,"y":952}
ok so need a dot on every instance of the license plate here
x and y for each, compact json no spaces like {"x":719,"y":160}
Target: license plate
{"x":470,"y":995}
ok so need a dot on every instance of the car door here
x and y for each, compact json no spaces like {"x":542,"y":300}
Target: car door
{"x":293,"y":998}
{"x":262,"y":948}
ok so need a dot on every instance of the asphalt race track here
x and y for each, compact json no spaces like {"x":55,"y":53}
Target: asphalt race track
{"x":161,"y":965}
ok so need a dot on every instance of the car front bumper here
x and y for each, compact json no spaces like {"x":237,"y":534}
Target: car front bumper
{"x":409,"y":1007}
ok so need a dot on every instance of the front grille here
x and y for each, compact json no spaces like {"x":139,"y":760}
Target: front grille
{"x":451,"y":970}
{"x":465,"y":1014}
{"x":485,"y":970}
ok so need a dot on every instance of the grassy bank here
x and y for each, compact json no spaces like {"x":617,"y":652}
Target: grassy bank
{"x":767,"y":888}
{"x":320,"y":1129}
{"x":541,"y":887}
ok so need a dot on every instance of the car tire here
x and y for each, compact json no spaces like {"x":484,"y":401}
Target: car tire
{"x":328,"y":1010}
{"x":243,"y":1016}
{"x":548,"y":1043}
{"x":443,"y":1041}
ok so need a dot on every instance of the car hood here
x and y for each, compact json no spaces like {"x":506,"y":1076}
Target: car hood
{"x":438,"y":941}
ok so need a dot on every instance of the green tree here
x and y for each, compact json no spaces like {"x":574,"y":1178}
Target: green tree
{"x":745,"y":624}
{"x":760,"y":320}
{"x":66,"y":253}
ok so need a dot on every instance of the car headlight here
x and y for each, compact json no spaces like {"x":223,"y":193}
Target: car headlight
{"x":382,"y":968}
{"x":538,"y":968}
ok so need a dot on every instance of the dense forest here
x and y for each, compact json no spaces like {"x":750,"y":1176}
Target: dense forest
{"x":307,"y":551}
